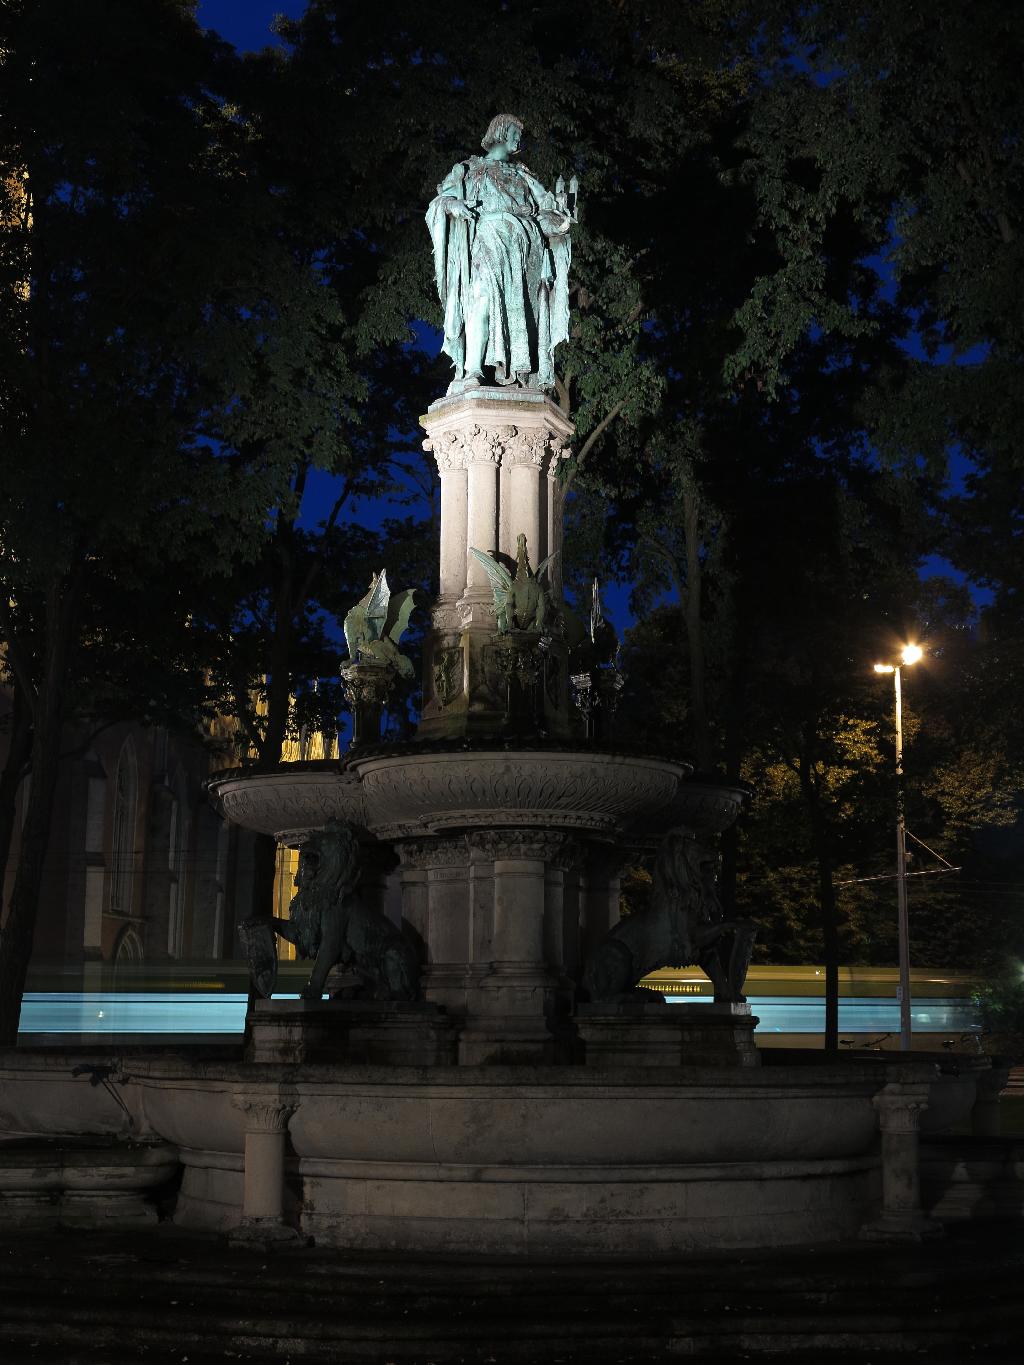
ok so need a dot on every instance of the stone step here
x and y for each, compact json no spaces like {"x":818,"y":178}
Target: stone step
{"x":161,"y":1297}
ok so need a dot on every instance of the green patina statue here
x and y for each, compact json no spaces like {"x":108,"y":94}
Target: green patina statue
{"x":328,"y":921}
{"x":522,"y":602}
{"x":375,"y":625}
{"x":501,"y":262}
{"x":685,"y":924}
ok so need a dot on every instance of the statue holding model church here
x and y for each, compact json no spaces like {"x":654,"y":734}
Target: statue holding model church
{"x":501,"y":262}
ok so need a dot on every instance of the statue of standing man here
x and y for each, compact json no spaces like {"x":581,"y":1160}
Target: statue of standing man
{"x":501,"y":261}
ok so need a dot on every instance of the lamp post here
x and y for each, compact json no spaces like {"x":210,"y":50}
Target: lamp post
{"x":910,"y":655}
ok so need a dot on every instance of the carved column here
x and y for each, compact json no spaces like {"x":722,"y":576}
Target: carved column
{"x":513,"y":1010}
{"x":267,"y":1114}
{"x":496,"y":450}
{"x":899,"y":1107}
{"x":451,"y":468}
{"x":444,"y":867}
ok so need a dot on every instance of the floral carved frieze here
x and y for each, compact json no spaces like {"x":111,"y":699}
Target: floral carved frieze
{"x":547,"y":846}
{"x":288,"y":803}
{"x":266,"y":1113}
{"x":462,"y":791}
{"x":427,"y":854}
{"x":462,"y":446}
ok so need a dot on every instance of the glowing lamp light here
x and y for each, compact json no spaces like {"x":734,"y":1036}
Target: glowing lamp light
{"x":884,"y":668}
{"x":912,"y":653}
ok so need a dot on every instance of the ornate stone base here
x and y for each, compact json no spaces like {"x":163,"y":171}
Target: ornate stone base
{"x":374,"y":1032}
{"x":638,"y":1032}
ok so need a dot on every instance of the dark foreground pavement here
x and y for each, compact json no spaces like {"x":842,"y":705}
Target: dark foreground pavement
{"x":82,"y":1298}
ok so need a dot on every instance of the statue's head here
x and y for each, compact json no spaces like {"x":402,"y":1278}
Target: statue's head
{"x":498,"y":131}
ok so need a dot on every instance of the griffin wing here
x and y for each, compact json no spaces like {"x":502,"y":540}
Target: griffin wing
{"x":355,"y":631}
{"x":543,"y":565}
{"x":499,"y":576}
{"x":376,"y":601}
{"x":400,"y":608}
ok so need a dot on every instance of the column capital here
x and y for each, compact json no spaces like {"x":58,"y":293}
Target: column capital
{"x":899,"y":1106}
{"x":425,"y":854}
{"x":535,"y":845}
{"x":266,"y":1111}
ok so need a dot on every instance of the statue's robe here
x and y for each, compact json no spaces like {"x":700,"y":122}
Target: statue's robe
{"x":506,"y":258}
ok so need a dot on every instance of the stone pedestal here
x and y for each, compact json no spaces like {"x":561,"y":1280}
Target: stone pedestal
{"x":370,"y":1032}
{"x":497,"y":453}
{"x":497,"y":916}
{"x":637,"y":1032}
{"x":899,"y":1107}
{"x":366,"y":688}
{"x":990,"y":1084}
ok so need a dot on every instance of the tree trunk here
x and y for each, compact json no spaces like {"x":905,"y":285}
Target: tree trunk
{"x":18,"y":753}
{"x":727,"y":879}
{"x":18,"y":931}
{"x":829,"y":920}
{"x":700,"y":730}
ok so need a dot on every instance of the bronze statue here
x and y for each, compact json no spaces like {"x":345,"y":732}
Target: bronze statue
{"x":330,"y":923}
{"x":685,"y":924}
{"x":376,"y":624}
{"x":501,"y":264}
{"x":522,"y":602}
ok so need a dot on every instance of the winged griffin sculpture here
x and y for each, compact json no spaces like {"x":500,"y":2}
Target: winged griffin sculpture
{"x":375,"y":625}
{"x":521,"y":602}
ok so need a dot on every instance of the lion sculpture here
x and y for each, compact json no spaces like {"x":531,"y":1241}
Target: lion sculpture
{"x":329,"y":923}
{"x":685,"y":924}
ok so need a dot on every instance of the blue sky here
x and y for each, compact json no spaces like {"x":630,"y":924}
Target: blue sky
{"x":246,"y":23}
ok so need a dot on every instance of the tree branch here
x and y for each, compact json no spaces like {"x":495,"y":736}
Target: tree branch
{"x":592,"y":440}
{"x":317,"y":561}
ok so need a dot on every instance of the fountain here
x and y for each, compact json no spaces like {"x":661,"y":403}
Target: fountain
{"x":486,"y":1075}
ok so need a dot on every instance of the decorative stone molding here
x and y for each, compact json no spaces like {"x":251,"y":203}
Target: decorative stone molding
{"x":448,"y":451}
{"x":288,"y":805}
{"x":530,"y":447}
{"x":900,"y":1107}
{"x":538,"y":846}
{"x":268,"y":1113}
{"x":412,"y":794}
{"x":460,"y":447}
{"x":424,"y":854}
{"x":446,"y":618}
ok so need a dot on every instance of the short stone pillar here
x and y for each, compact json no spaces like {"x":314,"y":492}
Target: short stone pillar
{"x":366,"y":687}
{"x":267,"y":1114}
{"x":990,"y":1084}
{"x":899,"y":1106}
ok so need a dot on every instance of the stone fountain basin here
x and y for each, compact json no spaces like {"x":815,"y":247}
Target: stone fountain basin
{"x":407,"y":794}
{"x":291,"y":801}
{"x":502,"y":1160}
{"x":433,"y":793}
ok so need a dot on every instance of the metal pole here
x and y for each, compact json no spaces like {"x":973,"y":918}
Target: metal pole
{"x":901,"y":878}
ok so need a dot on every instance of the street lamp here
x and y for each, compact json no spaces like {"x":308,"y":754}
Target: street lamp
{"x":910,"y":655}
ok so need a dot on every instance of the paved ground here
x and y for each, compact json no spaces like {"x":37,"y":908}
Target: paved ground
{"x":108,"y":1299}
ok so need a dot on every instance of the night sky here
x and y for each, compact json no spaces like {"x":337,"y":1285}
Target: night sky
{"x":246,"y":23}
